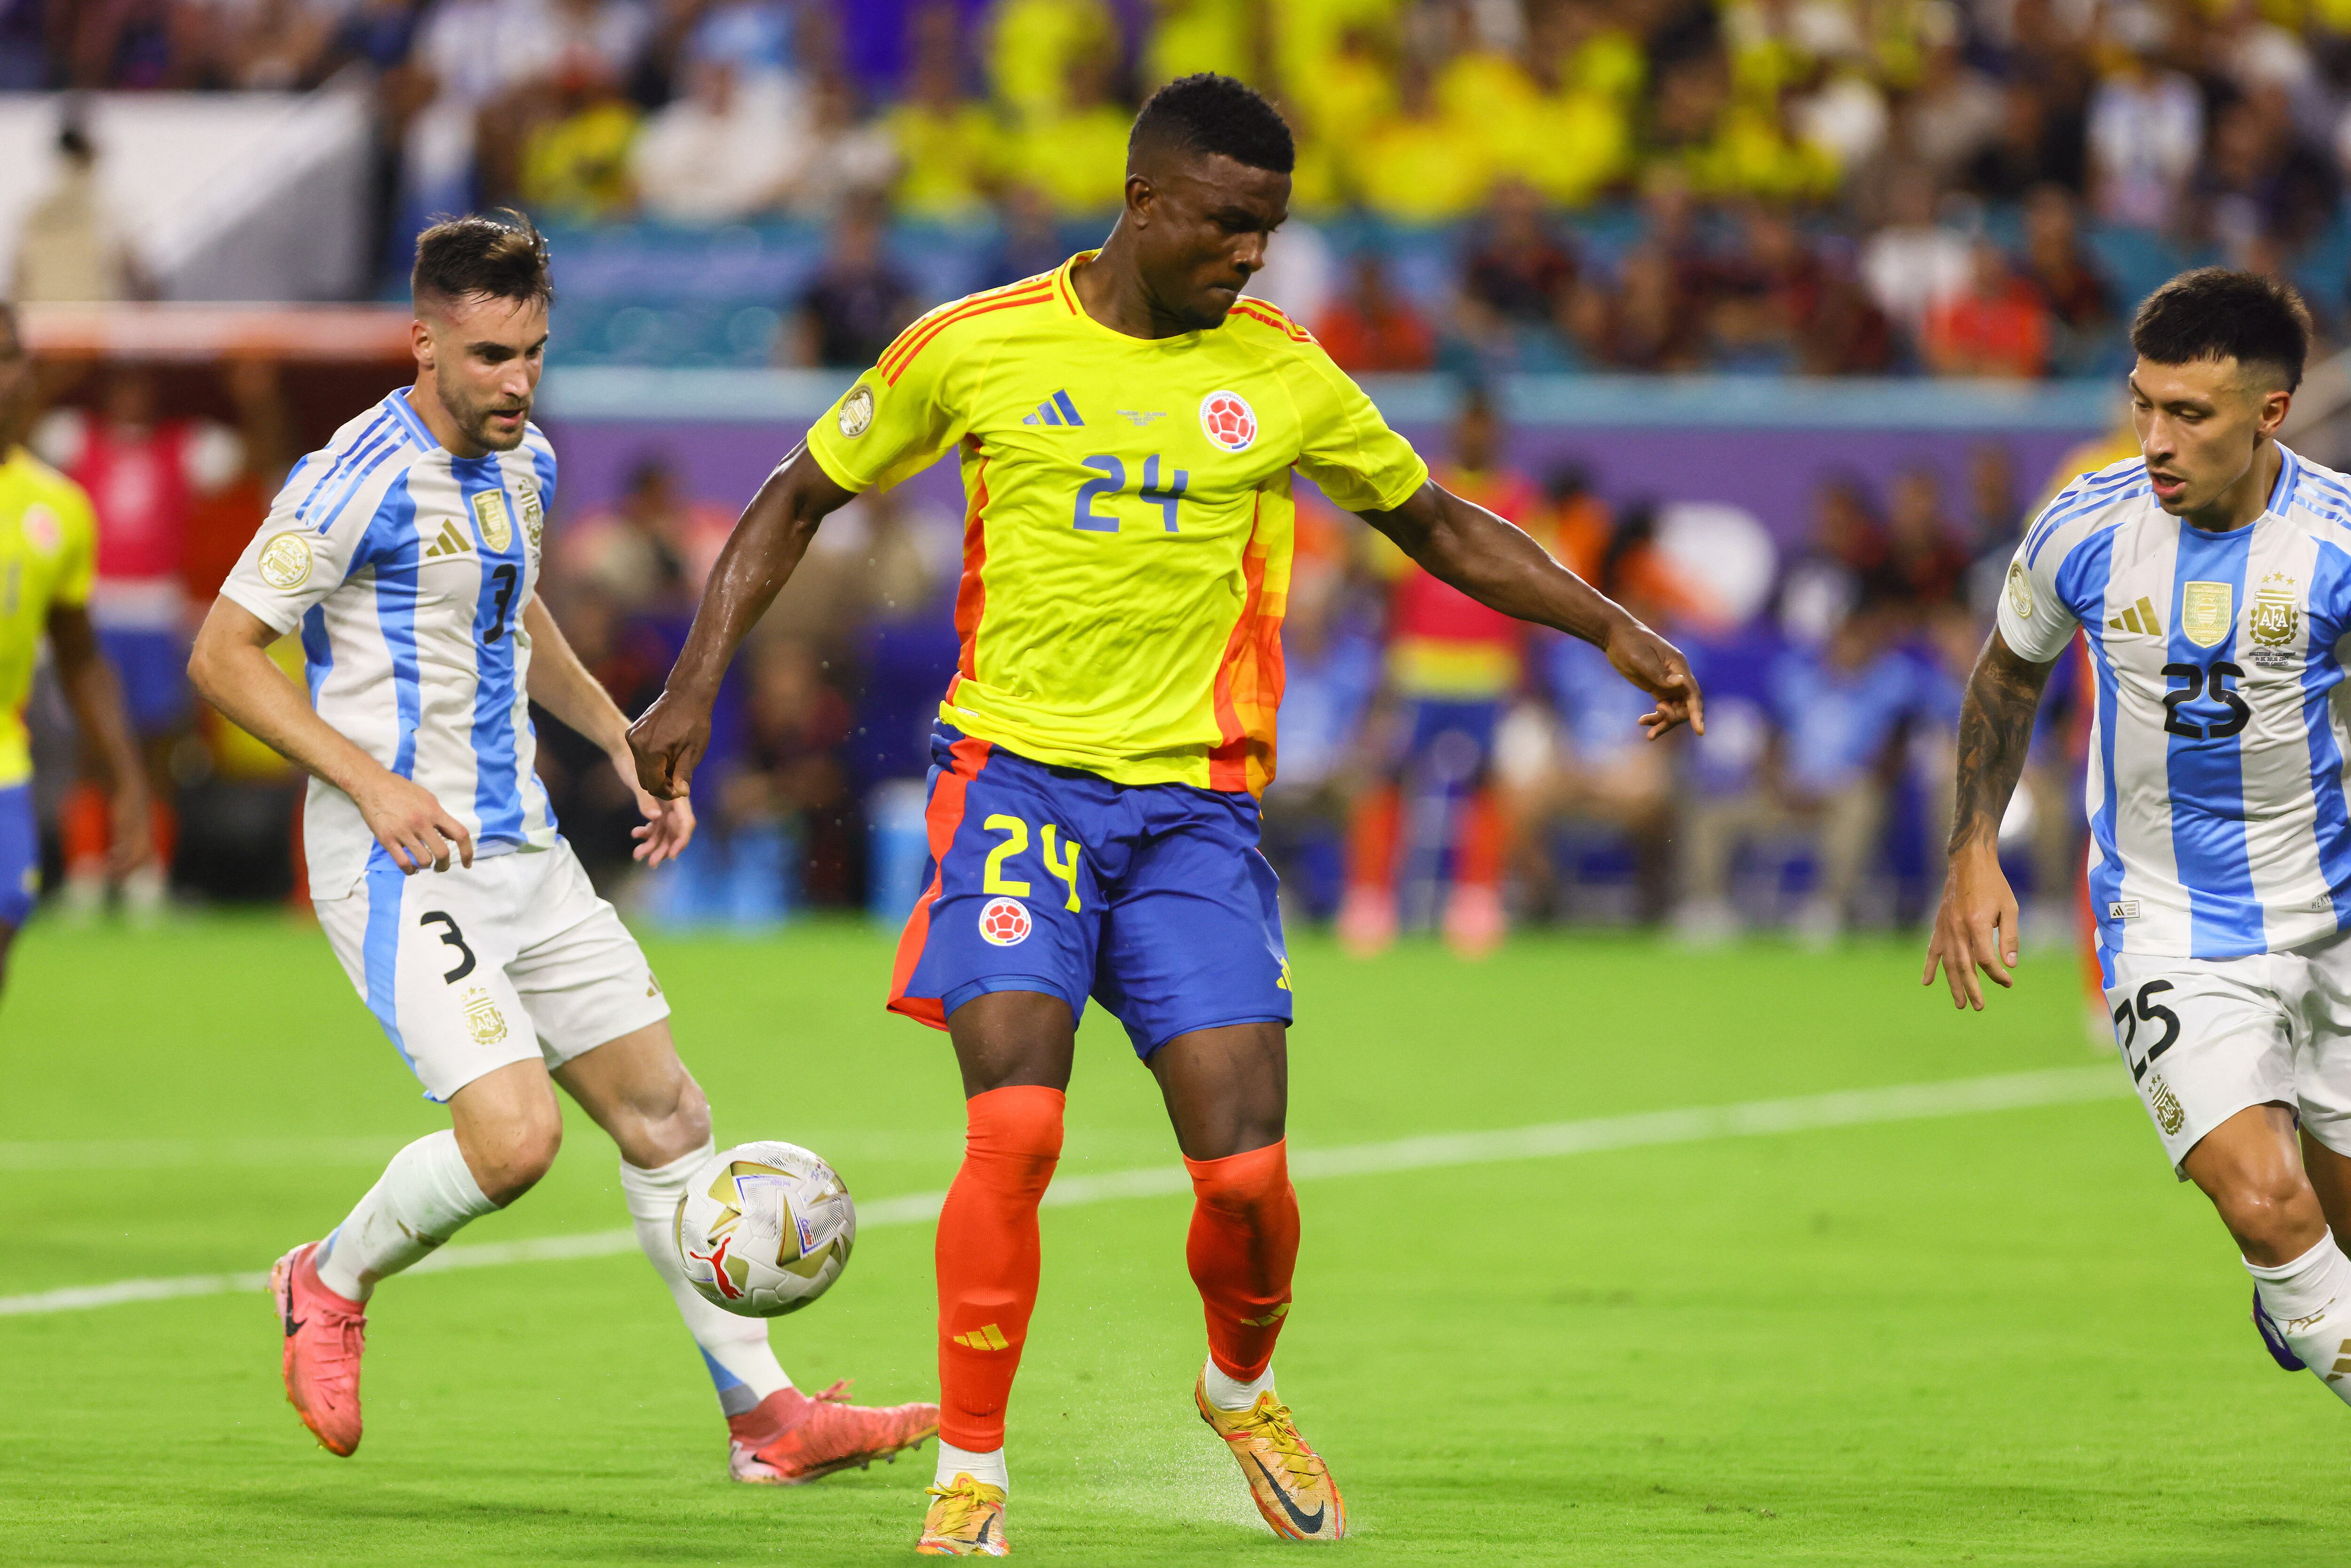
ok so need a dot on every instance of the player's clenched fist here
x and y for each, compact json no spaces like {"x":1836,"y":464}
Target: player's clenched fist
{"x":413,"y":826}
{"x":1658,"y":667}
{"x":668,"y":742}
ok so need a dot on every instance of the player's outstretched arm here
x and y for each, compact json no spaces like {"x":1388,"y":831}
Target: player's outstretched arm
{"x":96,"y":699}
{"x":758,"y":559}
{"x":1976,"y":923}
{"x":567,"y":688}
{"x":232,"y":667}
{"x":1497,"y":565}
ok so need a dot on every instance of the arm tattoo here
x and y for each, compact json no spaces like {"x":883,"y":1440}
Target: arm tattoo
{"x":1995,"y":734}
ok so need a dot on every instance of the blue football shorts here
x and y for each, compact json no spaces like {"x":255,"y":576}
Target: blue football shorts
{"x":1154,"y":899}
{"x":20,"y":855}
{"x":152,"y":667}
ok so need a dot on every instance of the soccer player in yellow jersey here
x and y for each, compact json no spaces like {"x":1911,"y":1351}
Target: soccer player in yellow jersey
{"x":1127,"y":426}
{"x":48,"y":551}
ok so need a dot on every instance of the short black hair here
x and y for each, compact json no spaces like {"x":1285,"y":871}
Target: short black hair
{"x":2214,"y":313}
{"x":501,"y":255}
{"x":1207,"y":113}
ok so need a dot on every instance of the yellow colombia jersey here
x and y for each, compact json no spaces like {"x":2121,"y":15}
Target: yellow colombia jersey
{"x":1128,"y":526}
{"x":48,"y":551}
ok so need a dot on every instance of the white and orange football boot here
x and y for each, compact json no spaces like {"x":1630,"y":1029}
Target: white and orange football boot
{"x":965,"y":1519}
{"x":1286,"y":1478}
{"x":790,"y":1436}
{"x":325,"y":1335}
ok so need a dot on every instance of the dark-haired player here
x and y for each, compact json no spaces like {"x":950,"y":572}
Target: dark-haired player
{"x":408,"y":553}
{"x":1126,"y":425}
{"x":2211,"y":576}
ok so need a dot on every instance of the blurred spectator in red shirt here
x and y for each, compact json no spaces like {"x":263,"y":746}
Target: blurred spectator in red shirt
{"x":1370,"y":326}
{"x":2000,"y":326}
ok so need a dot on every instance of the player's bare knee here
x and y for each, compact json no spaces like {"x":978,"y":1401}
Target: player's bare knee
{"x":2275,"y":1216}
{"x":681,"y":1130}
{"x":509,"y":1160}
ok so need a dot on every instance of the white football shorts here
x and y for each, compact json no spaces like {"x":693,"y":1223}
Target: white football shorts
{"x":470,"y":968}
{"x":2205,"y":1038}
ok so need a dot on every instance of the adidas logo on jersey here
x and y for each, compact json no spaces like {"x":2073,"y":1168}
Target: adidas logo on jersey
{"x":1055,"y":410}
{"x":2139,"y":617}
{"x":450,"y":542}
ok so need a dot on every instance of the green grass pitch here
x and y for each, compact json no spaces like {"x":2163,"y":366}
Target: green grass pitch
{"x":2001,"y":1337}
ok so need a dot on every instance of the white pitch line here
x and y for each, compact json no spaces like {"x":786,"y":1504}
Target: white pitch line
{"x":1646,"y":1129}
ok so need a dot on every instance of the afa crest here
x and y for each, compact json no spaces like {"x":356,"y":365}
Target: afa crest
{"x":487,"y":1024}
{"x":534,"y":513}
{"x":2275,"y":616}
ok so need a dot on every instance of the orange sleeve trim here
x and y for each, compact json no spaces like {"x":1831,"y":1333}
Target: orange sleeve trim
{"x":964,"y":314}
{"x":939,"y":314}
{"x":1271,"y":315}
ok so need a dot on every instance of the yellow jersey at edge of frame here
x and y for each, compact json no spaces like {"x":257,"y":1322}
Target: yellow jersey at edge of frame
{"x":49,"y":554}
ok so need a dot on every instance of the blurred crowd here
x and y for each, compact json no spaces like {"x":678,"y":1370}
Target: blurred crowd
{"x":1817,"y":185}
{"x":1440,"y":765}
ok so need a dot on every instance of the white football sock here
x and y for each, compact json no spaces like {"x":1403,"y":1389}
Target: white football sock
{"x":423,"y":1197}
{"x":2309,"y":1300}
{"x":733,"y":1348}
{"x":987,"y":1467}
{"x":1230,"y":1393}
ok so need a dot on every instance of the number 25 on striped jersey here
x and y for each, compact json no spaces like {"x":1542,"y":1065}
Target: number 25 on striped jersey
{"x":1060,"y":858}
{"x":1110,"y":479}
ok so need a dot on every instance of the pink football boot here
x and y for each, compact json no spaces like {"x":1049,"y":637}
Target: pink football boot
{"x":789,"y":1437}
{"x":324,"y":1337}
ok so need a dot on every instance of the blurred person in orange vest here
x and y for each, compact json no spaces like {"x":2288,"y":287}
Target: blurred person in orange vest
{"x":146,"y":475}
{"x":1452,"y":664}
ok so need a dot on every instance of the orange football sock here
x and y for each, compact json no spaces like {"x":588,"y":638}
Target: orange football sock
{"x":1372,"y":828}
{"x":86,"y":824}
{"x":988,"y":1255}
{"x":164,"y":831}
{"x":1482,"y":833}
{"x":1243,"y":1250}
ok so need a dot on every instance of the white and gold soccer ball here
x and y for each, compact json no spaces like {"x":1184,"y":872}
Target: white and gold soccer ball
{"x":765,"y":1228}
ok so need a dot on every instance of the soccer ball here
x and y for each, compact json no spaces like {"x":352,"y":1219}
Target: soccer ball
{"x":765,"y":1228}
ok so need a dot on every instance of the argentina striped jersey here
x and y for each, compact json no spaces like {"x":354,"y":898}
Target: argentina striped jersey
{"x":407,"y":569}
{"x":2216,"y":785}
